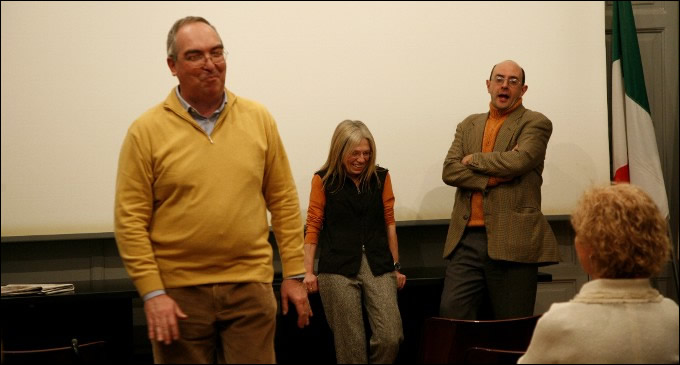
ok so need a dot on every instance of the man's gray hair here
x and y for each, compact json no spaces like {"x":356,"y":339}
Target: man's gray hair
{"x":172,"y":34}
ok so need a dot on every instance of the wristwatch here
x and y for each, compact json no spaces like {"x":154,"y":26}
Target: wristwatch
{"x":397,"y":266}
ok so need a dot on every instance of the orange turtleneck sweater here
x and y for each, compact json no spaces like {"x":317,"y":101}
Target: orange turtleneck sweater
{"x":493,"y":125}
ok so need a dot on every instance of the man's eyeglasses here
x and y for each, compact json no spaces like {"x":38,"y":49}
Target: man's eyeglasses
{"x":513,"y":81}
{"x":197,"y":59}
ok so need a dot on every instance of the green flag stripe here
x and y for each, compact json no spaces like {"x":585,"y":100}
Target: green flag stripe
{"x":625,"y":47}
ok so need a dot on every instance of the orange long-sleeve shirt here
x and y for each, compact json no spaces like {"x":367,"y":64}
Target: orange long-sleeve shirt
{"x":493,"y":125}
{"x":317,"y":203}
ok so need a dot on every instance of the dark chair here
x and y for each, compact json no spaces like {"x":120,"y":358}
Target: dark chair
{"x":446,"y":341}
{"x":86,"y":353}
{"x":484,"y":355}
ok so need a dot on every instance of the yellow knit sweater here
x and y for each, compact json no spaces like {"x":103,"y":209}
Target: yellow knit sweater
{"x":191,"y":209}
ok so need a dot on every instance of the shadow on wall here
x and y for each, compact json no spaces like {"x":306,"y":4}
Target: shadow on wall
{"x":559,"y":184}
{"x":437,"y":202}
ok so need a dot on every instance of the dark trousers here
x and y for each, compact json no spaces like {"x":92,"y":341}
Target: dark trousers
{"x":477,"y":287}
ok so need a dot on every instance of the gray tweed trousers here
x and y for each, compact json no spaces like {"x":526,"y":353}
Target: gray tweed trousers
{"x":343,"y":298}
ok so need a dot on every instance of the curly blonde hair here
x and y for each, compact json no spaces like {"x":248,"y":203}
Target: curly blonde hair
{"x":625,"y":231}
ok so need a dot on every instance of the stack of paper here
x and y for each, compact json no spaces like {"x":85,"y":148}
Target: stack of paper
{"x":33,"y":289}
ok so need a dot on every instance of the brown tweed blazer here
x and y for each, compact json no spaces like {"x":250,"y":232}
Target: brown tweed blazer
{"x":516,"y":229}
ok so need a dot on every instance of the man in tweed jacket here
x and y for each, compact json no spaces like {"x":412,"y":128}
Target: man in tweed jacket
{"x":497,"y":236}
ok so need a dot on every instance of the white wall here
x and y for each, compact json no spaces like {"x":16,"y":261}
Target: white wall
{"x":75,"y":75}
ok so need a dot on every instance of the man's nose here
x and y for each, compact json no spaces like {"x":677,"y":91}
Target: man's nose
{"x":209,"y":64}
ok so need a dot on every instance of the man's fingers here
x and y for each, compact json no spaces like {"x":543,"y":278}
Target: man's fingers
{"x":166,"y":335}
{"x":302,"y":321}
{"x":179,"y":313}
{"x":304,"y":312}
{"x":173,"y":330}
{"x":303,"y":318}
{"x":159,"y":333}
{"x":284,"y":304}
{"x":161,"y":314}
{"x":152,"y":334}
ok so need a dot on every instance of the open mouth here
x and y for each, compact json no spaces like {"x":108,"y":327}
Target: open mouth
{"x":503,"y":97}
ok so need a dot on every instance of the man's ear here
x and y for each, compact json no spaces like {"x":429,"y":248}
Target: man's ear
{"x":524,"y":89}
{"x":171,"y":65}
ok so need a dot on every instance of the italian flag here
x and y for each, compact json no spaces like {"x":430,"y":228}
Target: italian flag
{"x":634,"y":152}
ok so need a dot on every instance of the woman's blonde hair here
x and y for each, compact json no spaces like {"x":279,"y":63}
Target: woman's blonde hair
{"x":347,"y":136}
{"x":625,"y":231}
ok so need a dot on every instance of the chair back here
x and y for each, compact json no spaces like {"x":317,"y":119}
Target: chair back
{"x":446,"y":340}
{"x":483,"y":355}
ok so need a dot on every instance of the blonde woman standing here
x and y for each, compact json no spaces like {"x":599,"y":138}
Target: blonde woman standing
{"x":351,"y":219}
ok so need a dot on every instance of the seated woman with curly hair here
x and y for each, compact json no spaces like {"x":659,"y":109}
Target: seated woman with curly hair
{"x":621,"y":241}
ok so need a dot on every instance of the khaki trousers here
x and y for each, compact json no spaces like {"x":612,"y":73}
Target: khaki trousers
{"x":227,"y":323}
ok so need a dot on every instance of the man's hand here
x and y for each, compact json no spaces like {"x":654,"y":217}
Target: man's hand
{"x":161,"y":318}
{"x":296,"y":292}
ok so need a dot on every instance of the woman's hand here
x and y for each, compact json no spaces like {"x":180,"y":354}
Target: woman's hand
{"x":311,"y":283}
{"x":401,"y":280}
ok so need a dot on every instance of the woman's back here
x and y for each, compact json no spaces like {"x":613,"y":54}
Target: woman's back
{"x":609,"y":321}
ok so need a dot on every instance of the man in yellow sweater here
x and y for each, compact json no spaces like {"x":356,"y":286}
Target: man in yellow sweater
{"x":497,"y":236}
{"x":196,"y":176}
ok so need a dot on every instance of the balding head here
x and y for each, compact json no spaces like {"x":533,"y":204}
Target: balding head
{"x":506,"y":85}
{"x":510,"y":63}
